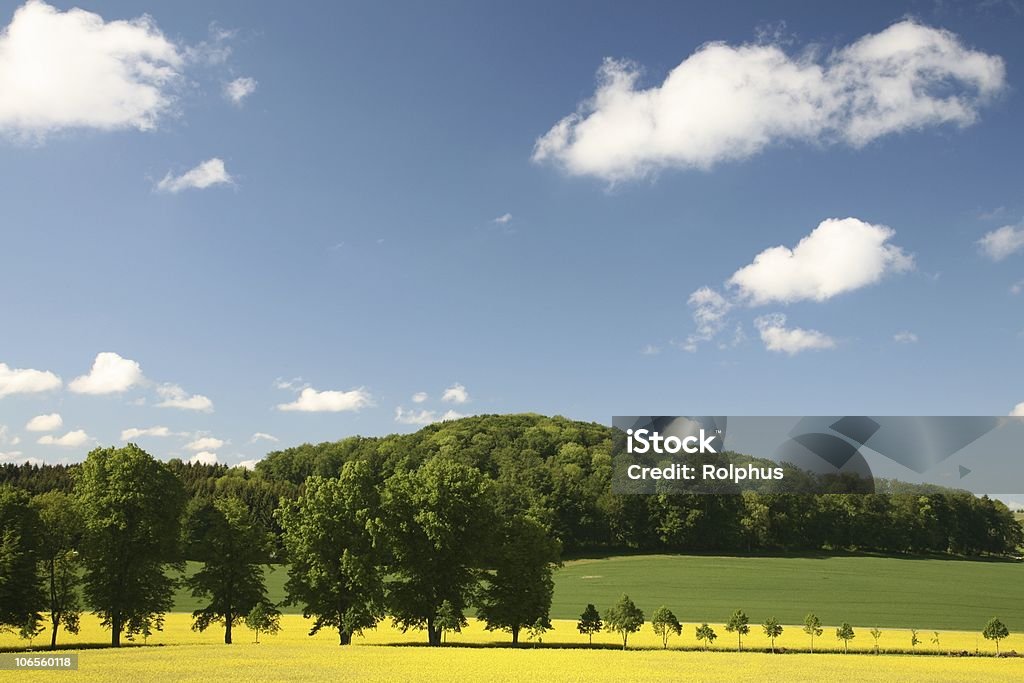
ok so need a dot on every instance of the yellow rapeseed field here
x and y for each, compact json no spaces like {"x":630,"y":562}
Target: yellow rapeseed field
{"x":384,"y":654}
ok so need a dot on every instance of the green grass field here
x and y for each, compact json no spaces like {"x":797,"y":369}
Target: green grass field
{"x":882,"y":591}
{"x":877,"y":591}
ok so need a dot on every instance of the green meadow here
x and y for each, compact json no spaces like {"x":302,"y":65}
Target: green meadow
{"x":924,"y":593}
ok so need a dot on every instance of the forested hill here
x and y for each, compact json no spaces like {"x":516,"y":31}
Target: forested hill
{"x":560,"y":471}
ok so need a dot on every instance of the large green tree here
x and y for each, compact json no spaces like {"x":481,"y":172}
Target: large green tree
{"x":518,"y":593}
{"x":21,"y":592}
{"x":335,"y":571}
{"x":131,"y":507}
{"x":231,"y":547}
{"x":438,"y":522}
{"x":60,"y":560}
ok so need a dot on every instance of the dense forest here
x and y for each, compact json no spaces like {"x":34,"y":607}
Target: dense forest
{"x":560,"y":471}
{"x":469,"y":514}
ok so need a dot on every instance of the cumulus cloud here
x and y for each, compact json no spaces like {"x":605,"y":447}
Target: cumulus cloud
{"x":70,"y":440}
{"x":1018,"y":410}
{"x":840,"y":255}
{"x":1002,"y":242}
{"x":110,"y":374}
{"x":420,"y":397}
{"x":263,"y":436}
{"x":905,"y":337}
{"x":205,"y":443}
{"x":248,"y":464}
{"x":204,"y":458}
{"x":207,"y":174}
{"x":312,"y":401}
{"x":424,"y":417}
{"x":792,"y":340}
{"x":239,"y":89}
{"x":65,"y":70}
{"x":456,"y":393}
{"x":45,"y":423}
{"x":135,"y":432}
{"x":26,"y":381}
{"x":503,"y":219}
{"x":175,"y":397}
{"x":728,"y":102}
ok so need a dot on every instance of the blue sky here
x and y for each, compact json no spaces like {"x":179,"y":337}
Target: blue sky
{"x":344,"y":238}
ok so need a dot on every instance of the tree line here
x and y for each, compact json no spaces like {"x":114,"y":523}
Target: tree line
{"x":466,"y":515}
{"x":625,"y":618}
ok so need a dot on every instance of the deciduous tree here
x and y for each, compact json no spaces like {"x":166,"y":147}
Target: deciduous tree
{"x":231,"y":547}
{"x":590,"y":622}
{"x":61,"y":523}
{"x":437,"y":521}
{"x":665,"y":624}
{"x":738,"y":623}
{"x":334,"y":570}
{"x":624,"y":617}
{"x":131,"y":509}
{"x":772,"y":629}
{"x":995,"y":630}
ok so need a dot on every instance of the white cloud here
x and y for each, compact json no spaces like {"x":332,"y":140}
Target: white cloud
{"x":905,"y":337}
{"x":1017,"y":287}
{"x":420,"y":397}
{"x":840,"y":255}
{"x":263,"y":436}
{"x":424,"y":417}
{"x":45,"y":423}
{"x":110,"y":374}
{"x":135,"y":432}
{"x":1002,"y":242}
{"x":777,"y":337}
{"x":503,"y":219}
{"x":710,"y":313}
{"x":26,"y":381}
{"x":6,"y":440}
{"x":175,"y":397}
{"x":456,"y":393}
{"x":70,"y":440}
{"x":17,"y":458}
{"x":204,"y":458}
{"x":240,"y":88}
{"x":205,"y":443}
{"x":207,"y":174}
{"x":725,"y":102}
{"x":312,"y":401}
{"x":1018,"y":410}
{"x":248,"y":464}
{"x":650,"y":350}
{"x":63,"y":70}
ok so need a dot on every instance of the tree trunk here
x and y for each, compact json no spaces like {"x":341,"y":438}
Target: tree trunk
{"x":515,"y":636}
{"x":115,"y":631}
{"x":591,"y":638}
{"x":344,"y":637}
{"x":624,"y":637}
{"x":227,"y":629}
